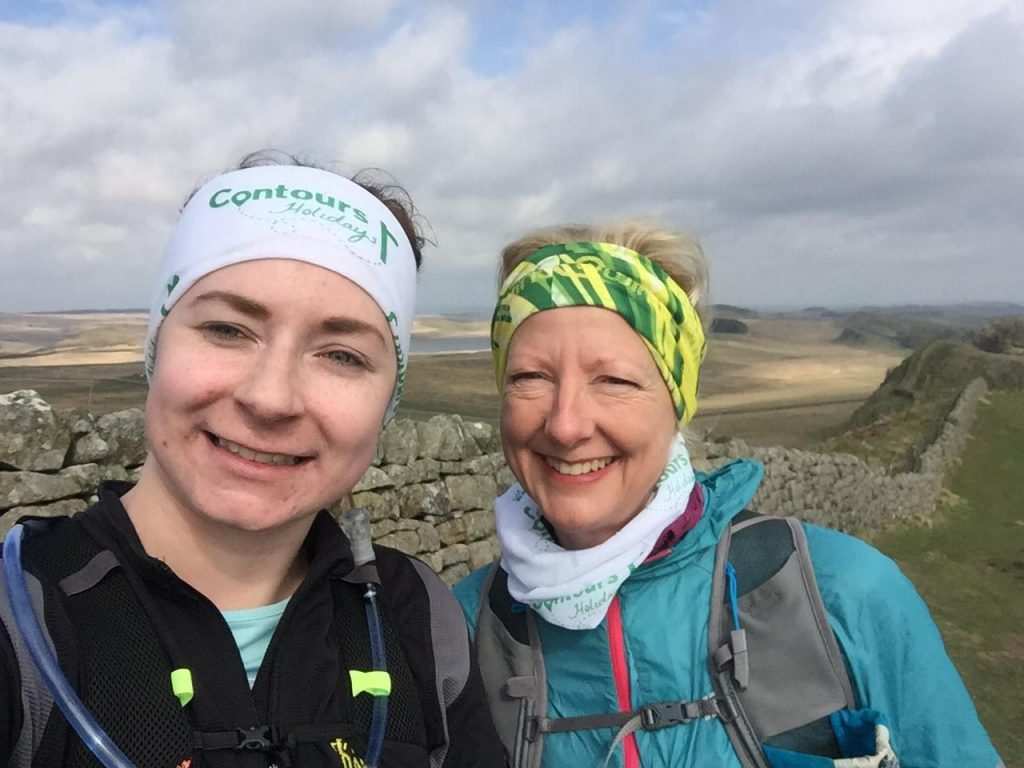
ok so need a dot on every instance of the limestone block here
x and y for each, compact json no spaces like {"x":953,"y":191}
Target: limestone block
{"x":484,"y":434}
{"x":423,"y":499}
{"x":403,"y":541}
{"x":470,"y":449}
{"x":379,"y":504}
{"x":424,"y":470}
{"x":399,"y":442}
{"x":433,"y":559}
{"x":479,"y":524}
{"x":449,"y":445}
{"x":452,"y":531}
{"x":399,"y":474}
{"x":457,"y":553}
{"x":430,"y":539}
{"x":373,"y":479}
{"x":80,"y":422}
{"x":116,"y":438}
{"x":88,"y":448}
{"x":23,"y":488}
{"x":505,"y":479}
{"x":58,"y":508}
{"x":482,"y":553}
{"x":32,"y":438}
{"x":483,"y":465}
{"x":429,"y":437}
{"x":471,"y":491}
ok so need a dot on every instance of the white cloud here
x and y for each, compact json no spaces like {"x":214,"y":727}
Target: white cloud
{"x":826,"y":152}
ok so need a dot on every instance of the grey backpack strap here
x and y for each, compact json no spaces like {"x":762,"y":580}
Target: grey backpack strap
{"x":451,"y":649}
{"x":782,"y":665}
{"x":512,"y":667}
{"x":36,"y":699}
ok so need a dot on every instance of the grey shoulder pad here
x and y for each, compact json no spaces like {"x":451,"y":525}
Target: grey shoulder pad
{"x":450,"y":639}
{"x":36,"y":699}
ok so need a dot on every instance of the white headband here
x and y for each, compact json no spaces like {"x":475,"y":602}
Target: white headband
{"x":284,"y":211}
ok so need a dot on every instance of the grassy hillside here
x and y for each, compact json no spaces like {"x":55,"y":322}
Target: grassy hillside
{"x":937,"y":371}
{"x":969,"y":568}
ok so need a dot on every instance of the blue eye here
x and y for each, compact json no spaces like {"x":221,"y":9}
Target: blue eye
{"x":223,"y":332}
{"x":345,"y":359}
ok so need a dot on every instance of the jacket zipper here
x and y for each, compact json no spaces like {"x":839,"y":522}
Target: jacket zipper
{"x":620,"y":671}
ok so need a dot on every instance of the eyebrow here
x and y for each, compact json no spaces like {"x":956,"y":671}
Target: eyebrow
{"x":351,"y":325}
{"x":241,"y":304}
{"x":337,"y":325}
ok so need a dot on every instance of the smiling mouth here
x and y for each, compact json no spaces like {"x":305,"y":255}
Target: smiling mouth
{"x":275,"y":459}
{"x":578,"y":467}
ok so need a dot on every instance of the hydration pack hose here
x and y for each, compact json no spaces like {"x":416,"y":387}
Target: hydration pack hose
{"x":85,"y":725}
{"x":356,"y":523}
{"x":378,"y":723}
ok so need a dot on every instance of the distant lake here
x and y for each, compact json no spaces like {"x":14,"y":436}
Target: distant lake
{"x":426,"y":345}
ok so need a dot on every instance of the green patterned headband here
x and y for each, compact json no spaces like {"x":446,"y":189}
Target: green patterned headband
{"x":615,"y":278}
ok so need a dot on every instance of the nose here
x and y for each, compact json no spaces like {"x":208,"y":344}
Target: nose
{"x":271,"y":390}
{"x":571,"y":419}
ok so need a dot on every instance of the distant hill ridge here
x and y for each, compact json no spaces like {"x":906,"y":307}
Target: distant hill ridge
{"x":88,"y":312}
{"x":732,"y":309}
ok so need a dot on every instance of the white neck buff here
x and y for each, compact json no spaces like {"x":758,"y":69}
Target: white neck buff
{"x":574,"y":587}
{"x":291,"y":212}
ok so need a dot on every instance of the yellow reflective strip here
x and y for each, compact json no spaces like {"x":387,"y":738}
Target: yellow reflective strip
{"x":181,"y":685}
{"x":375,"y":682}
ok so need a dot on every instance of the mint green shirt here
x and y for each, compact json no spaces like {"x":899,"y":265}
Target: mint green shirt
{"x":252,"y":629}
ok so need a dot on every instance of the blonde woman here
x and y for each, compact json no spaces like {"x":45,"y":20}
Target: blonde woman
{"x":639,"y":614}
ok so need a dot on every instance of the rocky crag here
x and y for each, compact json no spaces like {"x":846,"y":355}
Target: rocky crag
{"x":431,"y":488}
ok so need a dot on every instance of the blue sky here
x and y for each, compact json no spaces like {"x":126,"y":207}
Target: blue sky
{"x":824,"y":152}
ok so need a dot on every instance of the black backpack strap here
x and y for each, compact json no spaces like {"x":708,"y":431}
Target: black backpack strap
{"x":78,"y":582}
{"x":512,"y":667}
{"x":765,"y":603}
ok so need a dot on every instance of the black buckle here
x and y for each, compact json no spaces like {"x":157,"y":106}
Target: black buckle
{"x":654,"y":717}
{"x":258,"y":738}
{"x":657,"y":716}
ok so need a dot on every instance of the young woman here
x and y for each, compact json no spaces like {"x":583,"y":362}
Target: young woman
{"x":214,"y":614}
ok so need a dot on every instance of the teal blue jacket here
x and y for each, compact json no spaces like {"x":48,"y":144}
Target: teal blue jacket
{"x":893,"y":649}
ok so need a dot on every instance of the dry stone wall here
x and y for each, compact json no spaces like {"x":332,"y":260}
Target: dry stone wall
{"x":842,"y":491}
{"x":431,"y":489}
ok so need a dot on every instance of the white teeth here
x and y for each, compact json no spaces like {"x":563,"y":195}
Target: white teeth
{"x":262,"y":458}
{"x":578,"y":468}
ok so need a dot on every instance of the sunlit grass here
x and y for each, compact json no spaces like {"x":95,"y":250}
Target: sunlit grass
{"x":969,"y":567}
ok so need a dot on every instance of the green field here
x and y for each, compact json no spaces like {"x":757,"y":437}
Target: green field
{"x":969,"y":567}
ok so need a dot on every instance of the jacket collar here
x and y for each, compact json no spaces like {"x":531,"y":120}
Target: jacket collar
{"x":326,"y":546}
{"x":727,"y":491}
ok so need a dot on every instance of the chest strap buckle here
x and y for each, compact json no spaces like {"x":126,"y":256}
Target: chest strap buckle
{"x":665,"y":714}
{"x":258,"y":738}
